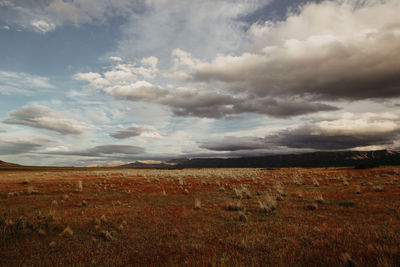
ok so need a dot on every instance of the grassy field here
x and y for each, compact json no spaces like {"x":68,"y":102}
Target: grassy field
{"x":204,"y":217}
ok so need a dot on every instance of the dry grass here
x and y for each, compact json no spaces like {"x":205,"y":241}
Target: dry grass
{"x":119,"y":217}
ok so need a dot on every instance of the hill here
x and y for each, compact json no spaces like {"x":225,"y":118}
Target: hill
{"x":7,"y":164}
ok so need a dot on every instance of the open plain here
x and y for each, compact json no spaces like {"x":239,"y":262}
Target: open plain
{"x":200,"y":217}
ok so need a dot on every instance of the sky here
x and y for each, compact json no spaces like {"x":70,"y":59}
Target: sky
{"x":87,"y":82}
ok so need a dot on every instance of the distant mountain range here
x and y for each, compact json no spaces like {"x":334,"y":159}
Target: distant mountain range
{"x":361,"y":159}
{"x":306,"y":160}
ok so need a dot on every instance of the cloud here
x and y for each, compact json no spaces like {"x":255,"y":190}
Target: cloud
{"x":42,"y":26}
{"x":113,"y":58}
{"x":320,"y":54}
{"x":329,"y":51}
{"x":232,"y":143}
{"x":131,"y":131}
{"x":335,"y":132}
{"x":134,"y":130}
{"x":45,"y":15}
{"x":348,"y":131}
{"x":205,"y":27}
{"x":22,"y":83}
{"x":140,"y":90}
{"x":108,"y":151}
{"x":122,"y":83}
{"x":95,"y":79}
{"x":15,"y":147}
{"x":46,"y":118}
{"x":121,"y":74}
{"x":280,"y":107}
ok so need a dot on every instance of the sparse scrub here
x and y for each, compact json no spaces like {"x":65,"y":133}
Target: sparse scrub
{"x":197,"y":204}
{"x":31,"y":190}
{"x":246,"y":192}
{"x":319,"y":198}
{"x":79,"y":186}
{"x":132,"y":223}
{"x":243,"y":217}
{"x":346,"y":204}
{"x":234,"y":205}
{"x":267,"y":204}
{"x":297,"y":180}
{"x":67,"y":232}
{"x":358,"y":189}
{"x":312,"y":206}
{"x":107,"y":235}
{"x":378,"y":188}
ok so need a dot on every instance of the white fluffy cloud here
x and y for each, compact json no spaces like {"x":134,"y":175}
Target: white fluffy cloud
{"x":42,"y":26}
{"x":140,"y":90}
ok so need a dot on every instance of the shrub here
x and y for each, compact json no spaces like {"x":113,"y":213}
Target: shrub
{"x":197,"y":204}
{"x":358,"y":189}
{"x":107,"y":235}
{"x":267,"y":204}
{"x":346,"y":204}
{"x":79,"y":186}
{"x":319,"y":198}
{"x":67,"y":232}
{"x":378,"y":188}
{"x":243,"y":217}
{"x":234,"y":205}
{"x":246,"y":192}
{"x":312,"y":206}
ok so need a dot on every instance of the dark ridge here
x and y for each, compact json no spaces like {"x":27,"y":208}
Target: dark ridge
{"x":307,"y":160}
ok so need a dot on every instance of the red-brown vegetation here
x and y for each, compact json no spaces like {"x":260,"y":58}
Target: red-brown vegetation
{"x":122,"y":217}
